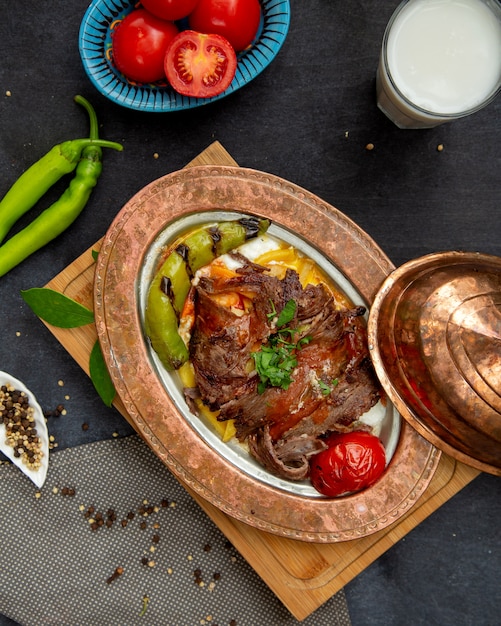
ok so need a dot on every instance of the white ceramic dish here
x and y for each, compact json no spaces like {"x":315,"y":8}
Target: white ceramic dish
{"x":37,"y":476}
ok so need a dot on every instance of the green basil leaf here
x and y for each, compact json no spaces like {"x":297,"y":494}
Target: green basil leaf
{"x":287,"y":313}
{"x":95,"y":254}
{"x":100,"y":376}
{"x":57,"y":309}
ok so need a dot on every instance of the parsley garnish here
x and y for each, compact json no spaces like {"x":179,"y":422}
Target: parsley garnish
{"x":287,"y":313}
{"x":273,"y":313}
{"x":325,"y":388}
{"x":276,"y":360}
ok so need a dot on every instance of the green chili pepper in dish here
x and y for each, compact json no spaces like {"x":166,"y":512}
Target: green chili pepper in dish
{"x":56,"y":218}
{"x":171,"y":284}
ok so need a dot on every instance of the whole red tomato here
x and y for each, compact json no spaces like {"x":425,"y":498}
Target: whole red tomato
{"x":236,"y":20}
{"x":200,"y":65}
{"x":352,"y":462}
{"x":139,"y":43}
{"x":170,"y":9}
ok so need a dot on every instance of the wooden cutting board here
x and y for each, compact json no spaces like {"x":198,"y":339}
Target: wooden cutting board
{"x":302,"y":575}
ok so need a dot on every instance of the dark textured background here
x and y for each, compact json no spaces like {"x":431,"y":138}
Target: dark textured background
{"x":307,"y":118}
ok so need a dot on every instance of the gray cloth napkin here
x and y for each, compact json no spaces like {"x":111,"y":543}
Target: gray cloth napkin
{"x":60,"y":563}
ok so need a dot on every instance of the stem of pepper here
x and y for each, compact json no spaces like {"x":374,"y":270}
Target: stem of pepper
{"x":93,"y":125}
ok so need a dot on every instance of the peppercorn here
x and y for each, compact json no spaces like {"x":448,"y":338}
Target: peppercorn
{"x":118,"y":572}
{"x":19,"y":419}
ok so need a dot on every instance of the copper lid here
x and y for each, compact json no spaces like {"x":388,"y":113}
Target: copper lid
{"x":435,"y":339}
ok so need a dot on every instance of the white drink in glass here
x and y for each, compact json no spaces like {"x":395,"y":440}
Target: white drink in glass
{"x":440,"y":60}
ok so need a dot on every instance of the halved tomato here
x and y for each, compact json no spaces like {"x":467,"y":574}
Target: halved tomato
{"x":200,"y":65}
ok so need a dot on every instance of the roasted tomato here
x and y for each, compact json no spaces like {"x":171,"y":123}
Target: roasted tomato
{"x":200,"y":65}
{"x":236,"y":20}
{"x":352,"y":462}
{"x":170,"y":9}
{"x":139,"y":43}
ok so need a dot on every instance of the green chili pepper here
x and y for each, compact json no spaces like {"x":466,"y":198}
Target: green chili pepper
{"x":171,"y":284}
{"x":55,"y":219}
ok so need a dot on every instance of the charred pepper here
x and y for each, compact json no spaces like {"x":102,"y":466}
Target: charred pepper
{"x":171,"y":284}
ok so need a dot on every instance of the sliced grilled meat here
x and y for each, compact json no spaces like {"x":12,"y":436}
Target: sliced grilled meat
{"x":333,"y":383}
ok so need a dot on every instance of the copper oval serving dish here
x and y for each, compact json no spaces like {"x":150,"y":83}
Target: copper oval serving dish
{"x":131,"y":247}
{"x":435,"y":335}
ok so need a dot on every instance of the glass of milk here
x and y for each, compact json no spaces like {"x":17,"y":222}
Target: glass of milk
{"x":440,"y":60}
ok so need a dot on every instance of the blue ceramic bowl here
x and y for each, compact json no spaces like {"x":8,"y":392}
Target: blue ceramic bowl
{"x":96,"y":53}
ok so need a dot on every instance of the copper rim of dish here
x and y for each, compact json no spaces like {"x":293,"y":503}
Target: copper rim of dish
{"x":435,"y":339}
{"x":152,"y":409}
